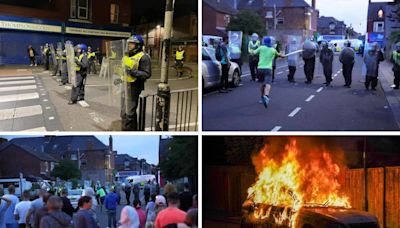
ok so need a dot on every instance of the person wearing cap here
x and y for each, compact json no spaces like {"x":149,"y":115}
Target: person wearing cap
{"x":371,"y":61}
{"x":347,"y":58}
{"x":266,"y":57}
{"x":179,"y":58}
{"x":254,"y":43}
{"x":326,"y":59}
{"x":78,"y":90}
{"x":395,"y":59}
{"x":138,"y":70}
{"x":172,"y":214}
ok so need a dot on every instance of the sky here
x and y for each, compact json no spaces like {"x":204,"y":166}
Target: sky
{"x":142,"y":147}
{"x":352,"y":12}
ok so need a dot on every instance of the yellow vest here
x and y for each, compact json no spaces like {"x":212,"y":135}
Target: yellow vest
{"x":78,"y":68}
{"x":132,"y":63}
{"x":179,"y":55}
{"x":91,"y":54}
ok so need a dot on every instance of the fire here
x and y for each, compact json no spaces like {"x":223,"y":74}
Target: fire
{"x":293,"y":179}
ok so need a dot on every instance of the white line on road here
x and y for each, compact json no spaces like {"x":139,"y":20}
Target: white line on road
{"x":294,"y":112}
{"x":13,"y":88}
{"x":277,"y":128}
{"x":19,"y":70}
{"x":18,"y":82}
{"x":320,"y":89}
{"x":51,"y":118}
{"x":310,"y":98}
{"x":15,"y":78}
{"x":19,"y":97}
{"x":280,"y":72}
{"x":84,"y":104}
{"x":41,"y":129}
{"x":11,"y":113}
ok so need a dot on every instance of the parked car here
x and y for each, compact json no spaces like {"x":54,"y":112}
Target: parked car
{"x":74,"y":195}
{"x":317,"y":217}
{"x":211,"y":70}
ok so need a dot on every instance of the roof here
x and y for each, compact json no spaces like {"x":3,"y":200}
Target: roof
{"x":258,"y":4}
{"x":121,"y":158}
{"x":38,"y":154}
{"x":222,"y":6}
{"x":325,"y":21}
{"x":58,"y":144}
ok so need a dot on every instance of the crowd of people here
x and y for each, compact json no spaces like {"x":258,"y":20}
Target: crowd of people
{"x":264,"y":53}
{"x":49,"y":209}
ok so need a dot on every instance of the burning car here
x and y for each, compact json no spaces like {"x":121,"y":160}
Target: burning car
{"x":312,"y":216}
{"x":300,"y":188}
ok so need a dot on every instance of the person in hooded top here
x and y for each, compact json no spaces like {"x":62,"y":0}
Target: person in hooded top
{"x":371,"y":60}
{"x":129,"y":218}
{"x":55,"y":217}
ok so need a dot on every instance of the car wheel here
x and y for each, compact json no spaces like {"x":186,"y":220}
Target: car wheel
{"x":235,"y":79}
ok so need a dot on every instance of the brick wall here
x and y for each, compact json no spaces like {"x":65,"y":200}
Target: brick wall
{"x":210,"y":21}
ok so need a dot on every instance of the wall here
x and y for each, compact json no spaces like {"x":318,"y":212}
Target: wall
{"x":13,"y":160}
{"x":210,"y":14}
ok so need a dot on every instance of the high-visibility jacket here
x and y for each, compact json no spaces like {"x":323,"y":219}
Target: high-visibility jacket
{"x":396,"y":57}
{"x":179,"y":55}
{"x":91,"y":55}
{"x":78,"y":68}
{"x":132,"y":63}
{"x":253,"y":46}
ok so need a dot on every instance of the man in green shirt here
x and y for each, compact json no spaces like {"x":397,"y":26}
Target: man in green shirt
{"x":267,"y":55}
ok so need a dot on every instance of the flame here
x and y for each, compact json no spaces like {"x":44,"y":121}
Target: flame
{"x":293,"y":179}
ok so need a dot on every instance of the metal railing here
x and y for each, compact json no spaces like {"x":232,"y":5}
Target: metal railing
{"x":183,"y":114}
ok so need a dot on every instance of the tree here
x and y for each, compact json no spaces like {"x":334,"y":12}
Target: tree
{"x":181,"y":159}
{"x":248,"y":22}
{"x":66,"y":170}
{"x":395,"y":16}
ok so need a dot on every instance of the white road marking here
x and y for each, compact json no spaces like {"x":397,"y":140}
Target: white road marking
{"x":310,"y":98}
{"x":68,"y":87}
{"x":38,"y":129}
{"x":47,"y":107}
{"x":280,"y":72}
{"x":19,"y":70}
{"x":287,"y":70}
{"x":51,"y":118}
{"x":11,"y":113}
{"x":294,"y":112}
{"x":19,"y":97}
{"x":320,"y":89}
{"x":18,"y":82}
{"x":13,"y":88}
{"x":15,"y":78}
{"x":277,"y":128}
{"x":84,"y":104}
{"x":45,"y":100}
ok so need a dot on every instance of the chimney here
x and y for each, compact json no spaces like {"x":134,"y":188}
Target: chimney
{"x":110,"y":143}
{"x":313,"y":5}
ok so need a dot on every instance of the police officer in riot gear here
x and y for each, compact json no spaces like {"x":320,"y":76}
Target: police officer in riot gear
{"x":347,"y":57}
{"x":78,"y":91}
{"x":371,"y":59}
{"x":91,"y":61}
{"x":326,"y":59}
{"x":309,"y":50}
{"x":138,"y":69}
{"x":396,"y":65}
{"x":254,"y":43}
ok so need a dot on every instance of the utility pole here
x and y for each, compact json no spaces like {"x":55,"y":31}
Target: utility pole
{"x":275,"y":21}
{"x":365,"y":175}
{"x":163,"y":90}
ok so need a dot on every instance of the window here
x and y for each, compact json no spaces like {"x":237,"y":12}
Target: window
{"x":52,"y":165}
{"x":227,"y":19}
{"x":44,"y":167}
{"x":114,"y":10}
{"x":280,"y":21}
{"x":379,"y":26}
{"x":74,"y":157}
{"x":81,"y":9}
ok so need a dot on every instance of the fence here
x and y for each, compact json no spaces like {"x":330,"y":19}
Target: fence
{"x":183,"y":111}
{"x":230,"y":183}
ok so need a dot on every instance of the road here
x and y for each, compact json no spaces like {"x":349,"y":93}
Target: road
{"x":300,"y":107}
{"x":32,"y":100}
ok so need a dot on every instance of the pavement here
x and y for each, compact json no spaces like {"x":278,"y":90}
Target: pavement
{"x":301,"y":107}
{"x":32,"y":100}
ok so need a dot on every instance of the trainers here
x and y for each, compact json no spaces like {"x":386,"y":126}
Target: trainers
{"x":265,"y":100}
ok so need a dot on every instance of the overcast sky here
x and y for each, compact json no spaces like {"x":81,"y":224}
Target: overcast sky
{"x":137,"y":146}
{"x":352,"y":12}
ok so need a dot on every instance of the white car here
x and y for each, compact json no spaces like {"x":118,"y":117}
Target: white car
{"x":74,"y":195}
{"x":211,"y":70}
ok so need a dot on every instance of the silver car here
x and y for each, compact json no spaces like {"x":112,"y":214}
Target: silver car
{"x":74,"y":195}
{"x":211,"y":70}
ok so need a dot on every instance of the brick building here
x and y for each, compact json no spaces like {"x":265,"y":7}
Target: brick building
{"x":330,"y":26}
{"x":16,"y":159}
{"x":216,"y":16}
{"x":94,"y":159}
{"x":381,"y":23}
{"x":43,"y":21}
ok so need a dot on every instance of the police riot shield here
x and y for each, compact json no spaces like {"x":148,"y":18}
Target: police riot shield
{"x":71,"y":65}
{"x":118,"y":86}
{"x":292,"y":49}
{"x":235,"y":44}
{"x":53,"y":55}
{"x":309,"y":49}
{"x":59,"y":53}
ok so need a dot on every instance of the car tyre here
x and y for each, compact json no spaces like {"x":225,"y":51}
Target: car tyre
{"x":235,"y":79}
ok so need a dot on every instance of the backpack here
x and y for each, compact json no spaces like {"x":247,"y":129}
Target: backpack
{"x":218,"y":52}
